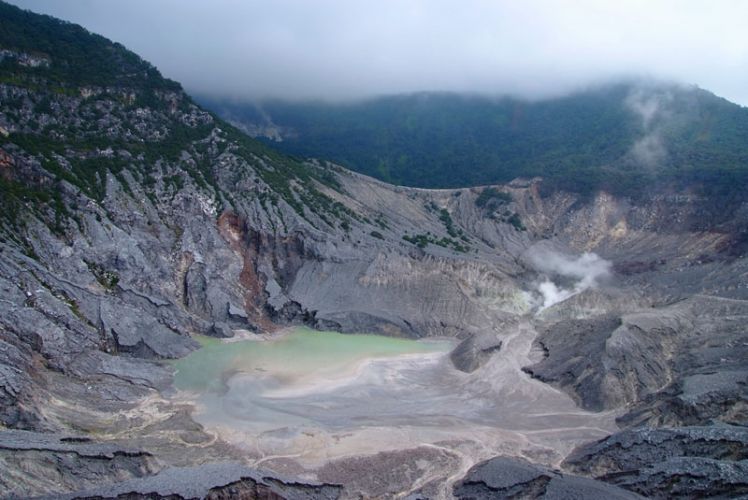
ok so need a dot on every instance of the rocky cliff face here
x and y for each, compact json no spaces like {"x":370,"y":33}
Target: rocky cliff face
{"x":132,"y":219}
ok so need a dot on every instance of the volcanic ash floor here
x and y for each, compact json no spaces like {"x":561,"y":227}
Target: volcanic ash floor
{"x":298,"y":401}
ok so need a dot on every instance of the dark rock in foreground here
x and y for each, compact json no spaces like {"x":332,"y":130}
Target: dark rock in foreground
{"x":691,"y":477}
{"x":504,"y":477}
{"x":214,"y":481}
{"x":689,"y":461}
{"x":54,"y":462}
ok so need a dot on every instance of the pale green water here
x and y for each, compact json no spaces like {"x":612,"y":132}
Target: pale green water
{"x":314,"y":396}
{"x":302,"y":352}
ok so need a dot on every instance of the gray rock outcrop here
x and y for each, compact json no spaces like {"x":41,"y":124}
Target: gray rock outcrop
{"x":212,"y":481}
{"x":34,"y":462}
{"x":504,"y":477}
{"x":474,"y":351}
{"x":670,"y":462}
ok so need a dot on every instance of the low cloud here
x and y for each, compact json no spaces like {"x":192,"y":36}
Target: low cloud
{"x":649,"y":150}
{"x":647,"y":105}
{"x":338,"y":49}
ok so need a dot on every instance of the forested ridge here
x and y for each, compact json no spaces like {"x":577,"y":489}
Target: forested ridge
{"x":623,"y":138}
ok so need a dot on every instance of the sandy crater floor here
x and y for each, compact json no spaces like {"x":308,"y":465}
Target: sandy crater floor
{"x":340,"y":407}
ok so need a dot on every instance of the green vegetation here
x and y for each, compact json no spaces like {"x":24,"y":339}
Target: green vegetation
{"x":515,"y":221}
{"x":495,"y":202}
{"x":422,"y":240}
{"x":377,"y":234}
{"x":492,"y":198}
{"x":580,"y":143}
{"x":17,"y":199}
{"x":281,"y":172}
{"x":77,"y":57}
{"x":449,"y":223}
{"x":380,"y":221}
{"x":509,"y":217}
{"x":161,"y":149}
{"x":107,"y":279}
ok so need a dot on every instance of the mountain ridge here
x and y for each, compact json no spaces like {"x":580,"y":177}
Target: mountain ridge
{"x":620,"y":137}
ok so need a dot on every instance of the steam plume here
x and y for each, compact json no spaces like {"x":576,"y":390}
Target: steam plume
{"x":587,"y":270}
{"x":651,"y":107}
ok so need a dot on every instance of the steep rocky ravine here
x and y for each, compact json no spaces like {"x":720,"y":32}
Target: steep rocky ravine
{"x":132,"y":220}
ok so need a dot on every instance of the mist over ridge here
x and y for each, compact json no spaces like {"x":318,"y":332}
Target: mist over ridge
{"x":633,"y":138}
{"x":343,"y":51}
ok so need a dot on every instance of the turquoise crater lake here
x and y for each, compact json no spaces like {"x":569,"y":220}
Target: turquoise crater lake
{"x":300,"y":399}
{"x":301,"y":353}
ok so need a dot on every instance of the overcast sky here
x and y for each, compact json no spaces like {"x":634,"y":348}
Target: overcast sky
{"x":343,"y":49}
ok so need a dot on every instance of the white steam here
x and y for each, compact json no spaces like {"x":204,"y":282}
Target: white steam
{"x":652,"y":108}
{"x":649,"y":150}
{"x":585,"y":271}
